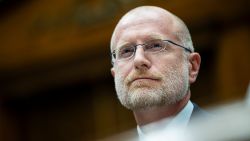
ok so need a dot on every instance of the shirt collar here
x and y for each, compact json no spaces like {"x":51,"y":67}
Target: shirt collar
{"x":165,"y":125}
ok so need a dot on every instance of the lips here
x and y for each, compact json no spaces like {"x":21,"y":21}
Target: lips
{"x":143,"y":79}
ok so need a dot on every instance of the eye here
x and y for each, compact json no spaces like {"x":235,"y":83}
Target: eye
{"x":154,"y":46}
{"x":126,"y":52}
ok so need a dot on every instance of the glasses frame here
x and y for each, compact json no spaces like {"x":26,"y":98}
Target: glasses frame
{"x":113,"y":53}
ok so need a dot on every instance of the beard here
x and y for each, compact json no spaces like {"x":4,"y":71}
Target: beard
{"x":172,"y":86}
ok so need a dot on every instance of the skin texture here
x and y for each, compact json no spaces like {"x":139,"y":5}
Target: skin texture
{"x":153,"y":86}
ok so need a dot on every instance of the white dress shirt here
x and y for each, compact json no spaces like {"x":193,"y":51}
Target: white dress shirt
{"x":168,"y":127}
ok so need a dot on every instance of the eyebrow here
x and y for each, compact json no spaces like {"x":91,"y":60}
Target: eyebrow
{"x":152,"y":36}
{"x":148,"y":37}
{"x":122,"y":45}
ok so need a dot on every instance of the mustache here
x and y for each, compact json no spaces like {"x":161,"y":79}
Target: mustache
{"x":142,"y":74}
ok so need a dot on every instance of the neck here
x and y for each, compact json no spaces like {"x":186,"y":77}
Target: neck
{"x":154,"y":114}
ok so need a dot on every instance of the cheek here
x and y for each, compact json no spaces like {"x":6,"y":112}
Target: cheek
{"x":164,"y":62}
{"x":167,"y":62}
{"x":123,"y":69}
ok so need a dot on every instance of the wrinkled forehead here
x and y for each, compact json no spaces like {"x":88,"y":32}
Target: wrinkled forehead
{"x":145,"y":20}
{"x":141,"y":32}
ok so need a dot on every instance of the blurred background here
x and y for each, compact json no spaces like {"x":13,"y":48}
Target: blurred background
{"x":55,"y":65}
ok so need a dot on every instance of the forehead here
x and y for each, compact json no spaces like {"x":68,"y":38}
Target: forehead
{"x":142,"y":30}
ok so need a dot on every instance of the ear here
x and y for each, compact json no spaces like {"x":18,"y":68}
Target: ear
{"x":194,"y":66}
{"x":113,"y":71}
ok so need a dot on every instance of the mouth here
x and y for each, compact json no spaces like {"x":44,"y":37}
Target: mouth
{"x":144,"y":79}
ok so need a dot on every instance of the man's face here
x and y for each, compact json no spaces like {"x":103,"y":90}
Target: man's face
{"x":150,"y":80}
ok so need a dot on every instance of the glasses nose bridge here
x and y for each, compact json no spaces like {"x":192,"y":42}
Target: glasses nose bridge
{"x":140,"y":45}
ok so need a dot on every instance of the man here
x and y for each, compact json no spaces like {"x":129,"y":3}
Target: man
{"x":154,"y":64}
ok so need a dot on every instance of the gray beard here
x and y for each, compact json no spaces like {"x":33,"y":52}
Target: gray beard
{"x":173,"y":88}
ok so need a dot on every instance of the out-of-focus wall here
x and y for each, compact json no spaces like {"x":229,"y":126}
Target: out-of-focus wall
{"x":55,"y":64}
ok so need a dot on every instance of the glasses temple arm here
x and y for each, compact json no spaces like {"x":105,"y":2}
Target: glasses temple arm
{"x":187,"y":49}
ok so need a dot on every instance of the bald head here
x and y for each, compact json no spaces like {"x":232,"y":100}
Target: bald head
{"x":151,"y":14}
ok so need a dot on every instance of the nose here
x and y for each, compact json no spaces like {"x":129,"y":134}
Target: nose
{"x":141,"y":62}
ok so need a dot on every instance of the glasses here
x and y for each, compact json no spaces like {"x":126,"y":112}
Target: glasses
{"x":126,"y":52}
